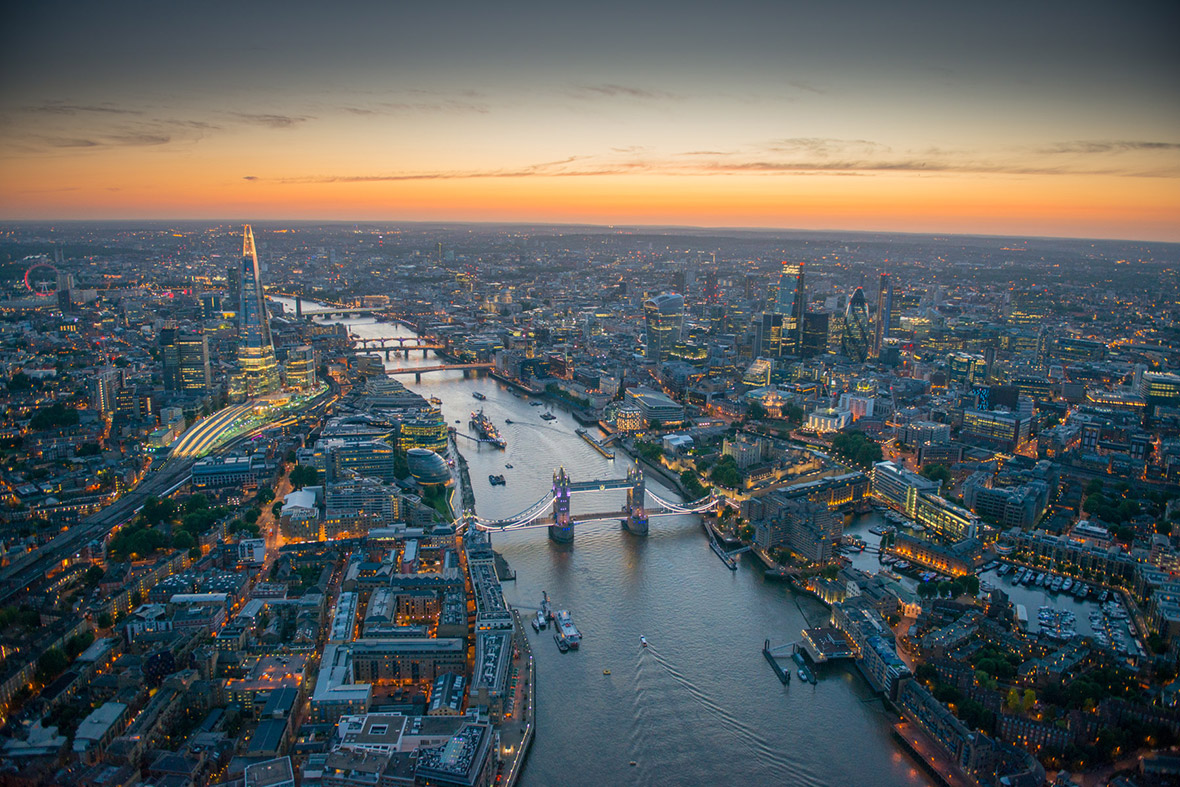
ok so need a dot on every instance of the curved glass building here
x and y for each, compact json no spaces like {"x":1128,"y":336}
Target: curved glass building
{"x":427,"y":467}
{"x":857,"y":340}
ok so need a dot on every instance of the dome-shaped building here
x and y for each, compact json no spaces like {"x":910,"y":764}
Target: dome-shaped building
{"x":427,"y":467}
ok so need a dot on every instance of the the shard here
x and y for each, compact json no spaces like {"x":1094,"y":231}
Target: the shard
{"x":258,"y":371}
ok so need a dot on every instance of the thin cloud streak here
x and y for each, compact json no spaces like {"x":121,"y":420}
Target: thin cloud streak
{"x":1107,"y":146}
{"x":611,"y":90}
{"x":819,"y":159}
{"x":65,"y":108}
{"x":271,"y":121}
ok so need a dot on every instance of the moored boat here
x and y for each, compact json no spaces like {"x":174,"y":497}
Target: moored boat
{"x":566,"y":629}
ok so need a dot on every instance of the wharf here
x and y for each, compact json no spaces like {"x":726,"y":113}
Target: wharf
{"x":467,"y":499}
{"x":504,"y":572}
{"x":517,"y":740}
{"x":936,"y":764}
{"x":597,"y":446}
{"x":513,"y":383}
{"x":725,"y":539}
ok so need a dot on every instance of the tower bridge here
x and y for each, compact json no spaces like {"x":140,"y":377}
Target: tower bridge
{"x":554,"y":509}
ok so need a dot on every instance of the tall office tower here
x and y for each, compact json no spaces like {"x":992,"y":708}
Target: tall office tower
{"x":301,"y":368}
{"x":233,"y":286}
{"x":258,"y":371}
{"x":768,"y":335}
{"x":835,"y":332}
{"x":711,"y":292}
{"x":856,"y":341}
{"x":664,"y":315}
{"x":790,"y":300}
{"x":186,"y":361}
{"x":65,"y":288}
{"x":815,"y":334}
{"x":884,"y":313}
{"x":195,"y":373}
{"x":104,"y":388}
{"x":211,"y":305}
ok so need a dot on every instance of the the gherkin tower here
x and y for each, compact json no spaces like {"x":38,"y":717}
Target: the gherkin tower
{"x":857,"y":337}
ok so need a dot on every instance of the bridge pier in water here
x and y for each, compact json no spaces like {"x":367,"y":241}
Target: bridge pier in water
{"x":636,"y":521}
{"x":562,"y":529}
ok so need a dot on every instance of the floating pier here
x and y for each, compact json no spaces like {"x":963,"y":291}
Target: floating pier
{"x":784,"y":676}
{"x":597,"y":446}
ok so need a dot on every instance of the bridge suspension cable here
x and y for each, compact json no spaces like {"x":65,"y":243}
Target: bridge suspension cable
{"x":526,"y":517}
{"x":695,"y":507}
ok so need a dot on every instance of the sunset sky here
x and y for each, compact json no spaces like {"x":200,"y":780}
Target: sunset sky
{"x":1042,"y":118}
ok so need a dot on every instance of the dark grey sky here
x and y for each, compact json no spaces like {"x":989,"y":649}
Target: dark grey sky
{"x":348,"y":92}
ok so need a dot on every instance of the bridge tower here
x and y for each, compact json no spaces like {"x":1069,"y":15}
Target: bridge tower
{"x":636,"y":520}
{"x":562,"y":529}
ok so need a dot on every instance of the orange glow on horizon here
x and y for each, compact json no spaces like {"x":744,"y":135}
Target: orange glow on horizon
{"x":1052,"y":205}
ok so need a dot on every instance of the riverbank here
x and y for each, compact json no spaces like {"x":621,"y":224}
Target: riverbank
{"x":524,"y":705}
{"x":466,"y":493}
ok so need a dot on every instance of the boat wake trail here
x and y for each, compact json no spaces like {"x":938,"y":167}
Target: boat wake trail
{"x":731,"y":726}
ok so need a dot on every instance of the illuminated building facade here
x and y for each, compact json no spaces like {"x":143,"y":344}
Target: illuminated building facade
{"x":301,"y":372}
{"x":884,"y":313}
{"x":186,"y":361}
{"x":789,"y":299}
{"x":1004,"y":431}
{"x":1160,"y":389}
{"x":428,"y":430}
{"x":968,"y":368}
{"x":664,"y":315}
{"x":855,"y":341}
{"x":258,"y":371}
{"x":899,"y":488}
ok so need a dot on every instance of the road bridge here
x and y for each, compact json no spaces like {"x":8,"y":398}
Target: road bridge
{"x":398,"y":344}
{"x":467,"y":369}
{"x":554,"y":511}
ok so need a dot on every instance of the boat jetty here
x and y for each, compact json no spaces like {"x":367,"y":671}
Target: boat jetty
{"x":595,"y":444}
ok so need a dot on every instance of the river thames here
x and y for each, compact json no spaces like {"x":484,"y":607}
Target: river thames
{"x":700,"y":705}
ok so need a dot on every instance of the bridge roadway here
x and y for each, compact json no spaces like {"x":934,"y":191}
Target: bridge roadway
{"x":413,"y":342}
{"x":440,"y":368}
{"x":345,"y":311}
{"x":577,"y":519}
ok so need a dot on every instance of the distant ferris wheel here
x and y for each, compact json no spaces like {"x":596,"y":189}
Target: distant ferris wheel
{"x":40,"y":284}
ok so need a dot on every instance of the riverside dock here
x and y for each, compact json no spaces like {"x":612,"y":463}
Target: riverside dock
{"x":597,"y":446}
{"x":784,"y":676}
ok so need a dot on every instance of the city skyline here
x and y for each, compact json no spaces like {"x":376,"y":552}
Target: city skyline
{"x":1058,"y":122}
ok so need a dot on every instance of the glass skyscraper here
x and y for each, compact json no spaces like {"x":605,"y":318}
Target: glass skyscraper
{"x":856,"y":340}
{"x":884,"y":313}
{"x":789,"y":299}
{"x":664,"y":315}
{"x":258,"y":371}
